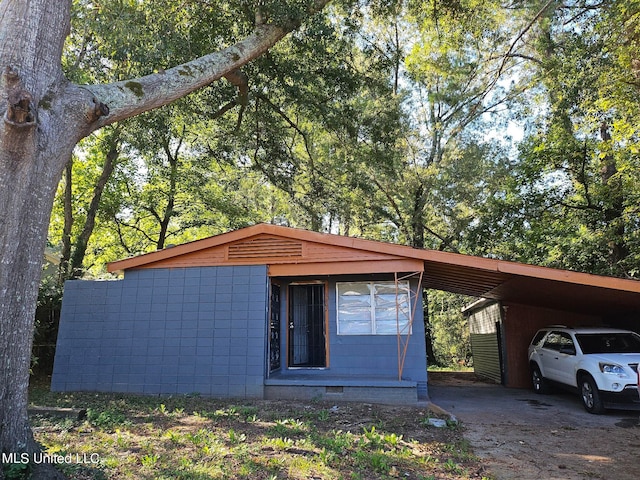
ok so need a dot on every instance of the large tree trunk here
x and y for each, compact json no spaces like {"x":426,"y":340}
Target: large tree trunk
{"x":25,"y":216}
{"x":42,"y":117}
{"x":33,"y":152}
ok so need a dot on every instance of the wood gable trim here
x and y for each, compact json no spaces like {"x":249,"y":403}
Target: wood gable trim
{"x":506,"y":269}
{"x":307,"y":253}
{"x":263,"y":247}
{"x":346,"y":267}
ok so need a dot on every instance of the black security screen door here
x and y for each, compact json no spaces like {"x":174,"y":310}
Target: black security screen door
{"x":306,"y":326}
{"x":274,"y":329}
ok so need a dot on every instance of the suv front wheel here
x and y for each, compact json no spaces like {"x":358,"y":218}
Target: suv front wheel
{"x":590,"y":395}
{"x":540,"y":385}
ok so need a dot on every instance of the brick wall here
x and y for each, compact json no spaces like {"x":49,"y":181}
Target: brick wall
{"x":165,"y":331}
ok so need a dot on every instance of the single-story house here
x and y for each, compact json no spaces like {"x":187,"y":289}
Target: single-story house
{"x":275,"y":312}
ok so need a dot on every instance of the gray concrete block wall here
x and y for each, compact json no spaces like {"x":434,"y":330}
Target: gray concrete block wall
{"x":387,"y":395}
{"x":165,"y":331}
{"x":377,"y":355}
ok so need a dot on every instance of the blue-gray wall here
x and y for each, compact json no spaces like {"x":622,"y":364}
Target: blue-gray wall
{"x":367,"y":355}
{"x":203,"y":330}
{"x":165,"y":331}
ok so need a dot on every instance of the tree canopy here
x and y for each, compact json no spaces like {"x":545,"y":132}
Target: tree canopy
{"x":387,"y":121}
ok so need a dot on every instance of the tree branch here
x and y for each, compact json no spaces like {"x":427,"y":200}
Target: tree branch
{"x":240,"y":80}
{"x":129,"y":98}
{"x":520,"y":35}
{"x":290,"y":122}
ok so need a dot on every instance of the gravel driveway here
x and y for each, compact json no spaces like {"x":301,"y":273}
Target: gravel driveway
{"x":525,"y":436}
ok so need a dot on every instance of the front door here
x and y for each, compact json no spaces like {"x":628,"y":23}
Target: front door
{"x":306,"y":326}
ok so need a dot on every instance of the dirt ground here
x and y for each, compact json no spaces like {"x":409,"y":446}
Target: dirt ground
{"x":524,"y":436}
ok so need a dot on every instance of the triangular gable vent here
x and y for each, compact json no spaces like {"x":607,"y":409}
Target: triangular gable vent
{"x":264,"y":247}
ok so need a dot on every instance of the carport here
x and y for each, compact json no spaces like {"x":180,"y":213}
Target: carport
{"x":518,"y":299}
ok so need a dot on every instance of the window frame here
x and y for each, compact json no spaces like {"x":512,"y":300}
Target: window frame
{"x":404,"y":289}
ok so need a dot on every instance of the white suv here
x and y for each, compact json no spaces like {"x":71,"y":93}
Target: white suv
{"x":601,"y":363}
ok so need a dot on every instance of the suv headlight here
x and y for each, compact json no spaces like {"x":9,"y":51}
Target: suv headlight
{"x":613,"y":369}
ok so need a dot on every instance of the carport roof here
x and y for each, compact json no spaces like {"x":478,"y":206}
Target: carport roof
{"x":289,"y":251}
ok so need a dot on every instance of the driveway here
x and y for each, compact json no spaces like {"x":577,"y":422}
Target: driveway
{"x":525,"y":436}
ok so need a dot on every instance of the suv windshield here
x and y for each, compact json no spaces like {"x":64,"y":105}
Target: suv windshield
{"x":608,"y":342}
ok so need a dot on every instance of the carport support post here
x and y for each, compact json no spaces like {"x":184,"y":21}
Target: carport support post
{"x":403,"y":345}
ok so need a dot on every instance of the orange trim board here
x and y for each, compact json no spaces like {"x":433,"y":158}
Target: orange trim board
{"x":568,"y":276}
{"x":345,"y":268}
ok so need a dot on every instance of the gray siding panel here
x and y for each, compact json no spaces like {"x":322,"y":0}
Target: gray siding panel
{"x":165,"y":331}
{"x":483,"y":326}
{"x":486,"y":356}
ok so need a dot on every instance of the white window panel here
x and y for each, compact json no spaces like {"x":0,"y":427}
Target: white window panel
{"x":368,"y":308}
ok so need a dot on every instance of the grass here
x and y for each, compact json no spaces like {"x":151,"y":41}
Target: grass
{"x":188,"y":437}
